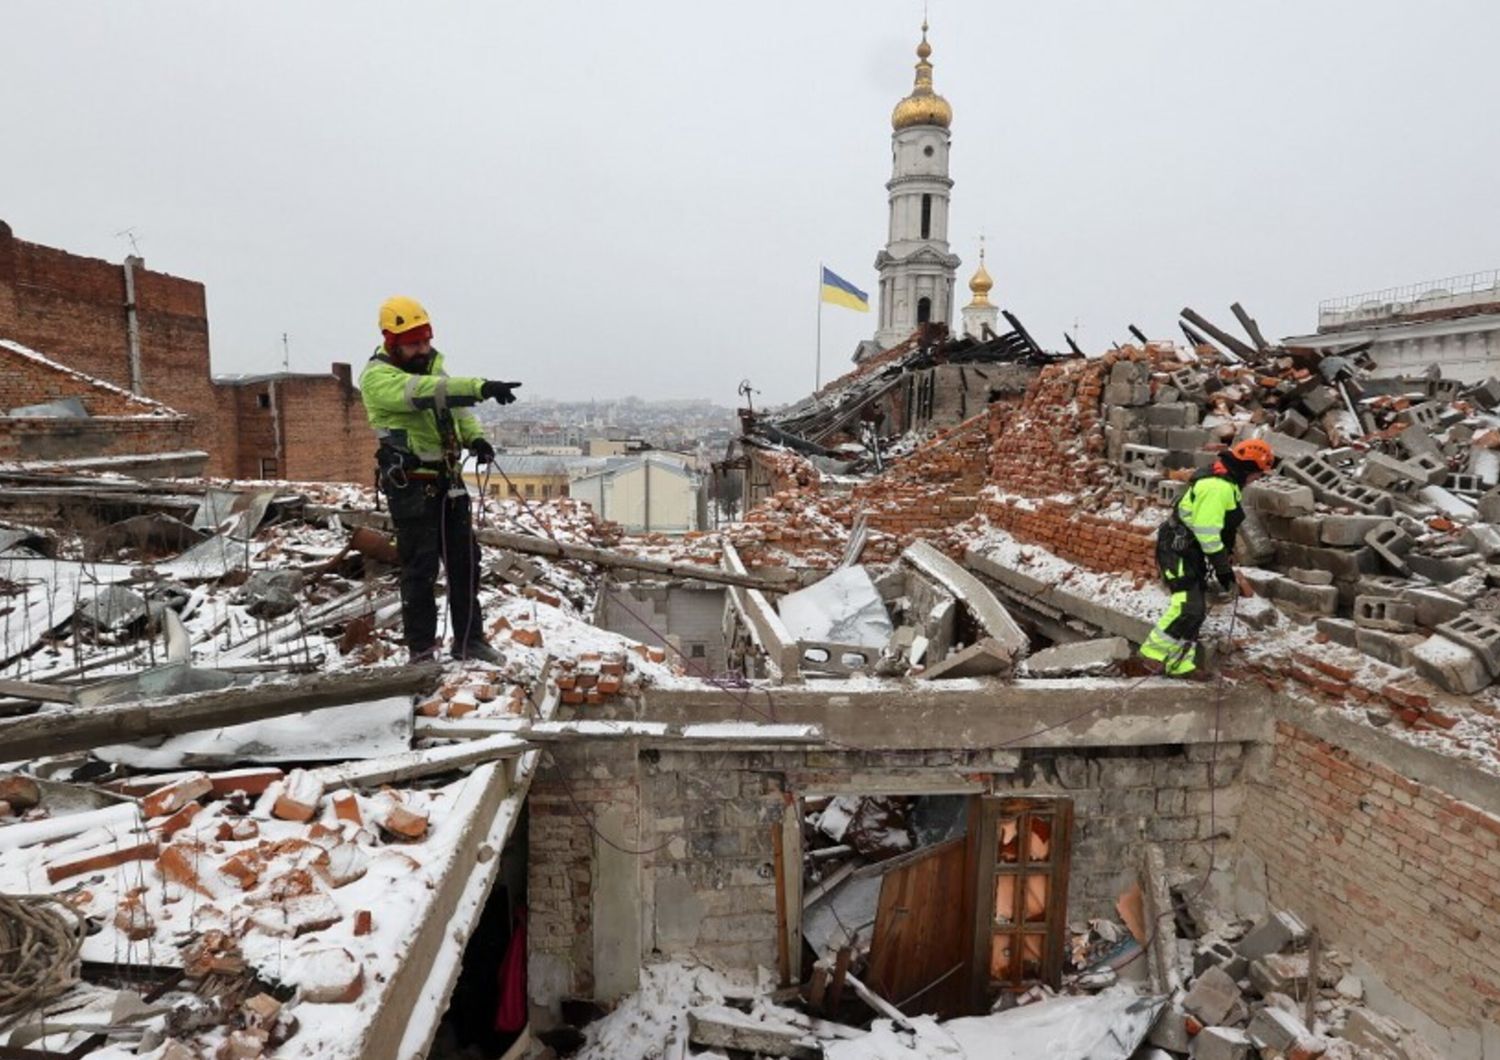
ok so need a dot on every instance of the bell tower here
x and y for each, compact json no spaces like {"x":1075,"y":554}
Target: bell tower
{"x":916,"y":268}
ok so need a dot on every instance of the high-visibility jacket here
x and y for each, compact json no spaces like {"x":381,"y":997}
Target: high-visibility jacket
{"x":1210,"y":508}
{"x":414,"y":412}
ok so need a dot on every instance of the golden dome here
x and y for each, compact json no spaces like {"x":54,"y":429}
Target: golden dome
{"x":981,"y":284}
{"x":923,"y":106}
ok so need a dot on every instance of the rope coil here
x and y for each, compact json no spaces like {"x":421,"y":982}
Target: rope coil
{"x":40,"y":940}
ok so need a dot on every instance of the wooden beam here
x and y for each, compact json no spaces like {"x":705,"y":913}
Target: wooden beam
{"x":1251,"y":327}
{"x":393,"y":769}
{"x":603,"y":557}
{"x":33,"y":690}
{"x":1228,"y":341}
{"x":878,"y":1003}
{"x":80,"y":729}
{"x":840,"y":976}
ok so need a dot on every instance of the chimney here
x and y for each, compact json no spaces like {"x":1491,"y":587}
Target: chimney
{"x":344,"y":374}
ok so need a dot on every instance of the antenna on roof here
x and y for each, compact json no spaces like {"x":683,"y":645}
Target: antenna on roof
{"x":129,"y":233}
{"x":286,"y":354}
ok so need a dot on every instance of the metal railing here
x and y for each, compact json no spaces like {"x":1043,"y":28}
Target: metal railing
{"x":1451,"y":291}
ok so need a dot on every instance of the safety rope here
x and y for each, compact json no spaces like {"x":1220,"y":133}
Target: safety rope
{"x":40,"y":939}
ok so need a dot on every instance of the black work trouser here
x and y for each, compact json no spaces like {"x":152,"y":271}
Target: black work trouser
{"x":432,"y":527}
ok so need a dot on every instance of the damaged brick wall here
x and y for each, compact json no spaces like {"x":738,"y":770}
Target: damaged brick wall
{"x":706,"y":877}
{"x":72,"y":309}
{"x":1400,"y":874}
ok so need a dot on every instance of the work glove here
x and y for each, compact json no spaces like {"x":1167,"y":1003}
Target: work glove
{"x":483,"y":451}
{"x":498,"y":391}
{"x":1223,"y":572}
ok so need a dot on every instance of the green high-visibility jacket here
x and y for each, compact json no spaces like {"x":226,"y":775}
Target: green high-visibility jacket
{"x":1209,"y":507}
{"x":410,"y":410}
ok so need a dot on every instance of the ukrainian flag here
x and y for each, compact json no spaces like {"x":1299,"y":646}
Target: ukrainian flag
{"x":840,"y":291}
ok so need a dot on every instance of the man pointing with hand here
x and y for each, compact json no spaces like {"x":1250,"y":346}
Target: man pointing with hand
{"x":421,"y":416}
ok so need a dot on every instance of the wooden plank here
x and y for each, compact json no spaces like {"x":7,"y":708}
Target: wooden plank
{"x":781,"y":869}
{"x":817,"y":990}
{"x":607,"y":558}
{"x":33,"y":690}
{"x":1057,"y":912}
{"x":879,"y":1004}
{"x":919,"y":930}
{"x":392,"y":769}
{"x":840,"y":974}
{"x":790,"y":841}
{"x":60,"y":731}
{"x":983,"y":834}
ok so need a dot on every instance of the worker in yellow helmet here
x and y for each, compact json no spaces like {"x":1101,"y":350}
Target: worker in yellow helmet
{"x":1198,"y":537}
{"x":421,"y":416}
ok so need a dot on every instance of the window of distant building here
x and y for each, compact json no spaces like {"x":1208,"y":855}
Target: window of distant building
{"x":924,"y":310}
{"x":513,"y":491}
{"x":531,"y":489}
{"x":267,"y":466}
{"x":263,"y":400}
{"x":697,"y":651}
{"x":546,"y":490}
{"x":926,"y":216}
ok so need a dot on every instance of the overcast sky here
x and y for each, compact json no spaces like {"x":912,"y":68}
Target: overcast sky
{"x":609,"y":198}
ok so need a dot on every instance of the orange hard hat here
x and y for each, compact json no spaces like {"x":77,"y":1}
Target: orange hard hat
{"x":1255,"y":451}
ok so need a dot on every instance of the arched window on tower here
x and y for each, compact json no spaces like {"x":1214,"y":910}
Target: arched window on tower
{"x":926,"y":216}
{"x":924,"y":310}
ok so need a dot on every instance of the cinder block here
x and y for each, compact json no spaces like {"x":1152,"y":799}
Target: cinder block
{"x":1212,"y":996}
{"x":1486,"y":394}
{"x":1127,"y":372}
{"x":1414,"y":441}
{"x":1393,"y":649}
{"x":1434,"y":606}
{"x":1391,"y":544}
{"x":1442,"y":569}
{"x":1387,"y":473}
{"x":1316,"y":599}
{"x":1221,"y":1043}
{"x":1426,"y":415}
{"x":1128,"y":394}
{"x":1478,"y":632}
{"x":1343,"y":564}
{"x":1339,"y":630}
{"x":1375,"y":612}
{"x":1293,"y":422}
{"x":1462,"y":482}
{"x":1489,"y":506}
{"x":1451,"y":666}
{"x":1125,"y":418}
{"x":1188,"y":439}
{"x":1275,"y":1032}
{"x":1272,"y":935}
{"x":1172,"y":414}
{"x":1168,"y":490}
{"x":1137,"y":479}
{"x":1347,"y":531}
{"x":1319,"y":400}
{"x":1484,"y":539}
{"x":1310,"y":577}
{"x":1280,"y":973}
{"x":1142,"y":456}
{"x":1274,"y":495}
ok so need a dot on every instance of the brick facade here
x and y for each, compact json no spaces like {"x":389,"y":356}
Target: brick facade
{"x":1397,"y":873}
{"x":73,"y":309}
{"x":118,"y":422}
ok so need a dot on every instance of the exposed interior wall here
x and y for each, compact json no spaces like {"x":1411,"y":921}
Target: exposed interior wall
{"x":703,"y":883}
{"x":692,"y":616}
{"x":1398,"y":873}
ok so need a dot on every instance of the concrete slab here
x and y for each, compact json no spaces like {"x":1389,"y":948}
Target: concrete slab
{"x":1084,"y":656}
{"x":1100,"y":616}
{"x":984,"y":659}
{"x":987,"y":610}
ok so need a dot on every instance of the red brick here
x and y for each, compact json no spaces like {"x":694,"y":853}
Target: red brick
{"x":99,"y":859}
{"x":172,"y":797}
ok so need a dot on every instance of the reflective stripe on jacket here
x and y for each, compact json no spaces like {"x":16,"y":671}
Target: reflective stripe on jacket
{"x":1205,"y":508}
{"x":407,"y":409}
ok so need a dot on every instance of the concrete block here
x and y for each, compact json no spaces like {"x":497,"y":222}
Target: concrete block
{"x":1280,"y":973}
{"x":1489,"y":506}
{"x":1393,"y":649}
{"x":1117,"y":438}
{"x":1275,"y":1032}
{"x":1451,"y":666}
{"x":1339,"y":630}
{"x":1293,"y":422}
{"x":1378,"y":612}
{"x":1272,"y":935}
{"x":1333,"y":487}
{"x":1483,"y":539}
{"x":1288,"y":447}
{"x":1343,"y":564}
{"x":1387,"y":473}
{"x":1168,"y":490}
{"x":1127,"y":372}
{"x":1138,"y":479}
{"x":1187,"y":439}
{"x":1415,"y":441}
{"x":1442,"y":569}
{"x":1213,"y":954}
{"x":1212,"y":996}
{"x":1274,"y":495}
{"x":1434,"y":606}
{"x":1478,"y":632}
{"x":1221,"y":1043}
{"x":1128,"y":394}
{"x":1319,"y":400}
{"x":1170,"y":1029}
{"x":1391,"y":544}
{"x":1172,"y":414}
{"x":1310,"y":577}
{"x":1347,"y":531}
{"x":1462,"y":482}
{"x":1316,"y":599}
{"x":1085,"y":656}
{"x":1486,"y":394}
{"x":1253,"y":545}
{"x":1427,"y":415}
{"x":1142,"y":456}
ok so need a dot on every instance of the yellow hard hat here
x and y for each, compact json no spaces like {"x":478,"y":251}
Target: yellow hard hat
{"x":400,"y":314}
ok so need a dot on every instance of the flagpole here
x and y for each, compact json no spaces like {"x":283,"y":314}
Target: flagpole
{"x":818,"y":363}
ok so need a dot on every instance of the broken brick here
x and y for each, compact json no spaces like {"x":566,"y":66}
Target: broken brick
{"x":178,"y":863}
{"x":527,"y":635}
{"x":346,"y":807}
{"x":1338,"y":673}
{"x":608,"y":685}
{"x":299,"y":797}
{"x":172,"y":797}
{"x":403,"y":823}
{"x":179,"y":820}
{"x":133,"y":921}
{"x":242,"y":870}
{"x":20,"y":792}
{"x":362,"y":922}
{"x":330,"y":976}
{"x":106,"y":858}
